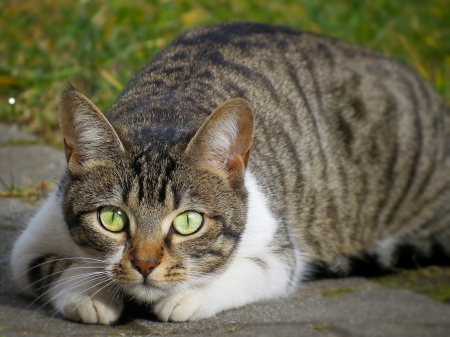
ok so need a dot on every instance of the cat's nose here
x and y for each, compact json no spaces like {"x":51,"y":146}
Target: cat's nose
{"x":145,"y":267}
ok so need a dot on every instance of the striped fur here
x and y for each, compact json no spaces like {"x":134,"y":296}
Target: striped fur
{"x":306,"y":155}
{"x":45,"y":270}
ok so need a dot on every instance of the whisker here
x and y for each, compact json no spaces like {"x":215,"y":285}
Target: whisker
{"x":61,"y":259}
{"x":58,"y":272}
{"x":78,"y":284}
{"x":116,"y":292}
{"x":90,"y":276}
{"x":95,"y":285}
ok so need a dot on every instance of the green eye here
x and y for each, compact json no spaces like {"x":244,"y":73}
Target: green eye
{"x":113,"y":218}
{"x":187,"y":222}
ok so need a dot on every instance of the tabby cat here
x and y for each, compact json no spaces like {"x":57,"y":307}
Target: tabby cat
{"x":241,"y":160}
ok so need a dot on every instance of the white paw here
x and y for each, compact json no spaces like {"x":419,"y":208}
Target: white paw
{"x":99,"y":309}
{"x":190,"y":305}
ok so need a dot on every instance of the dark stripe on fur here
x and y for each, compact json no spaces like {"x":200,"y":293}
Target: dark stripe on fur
{"x":388,"y":173}
{"x":413,"y":167}
{"x":137,"y":170}
{"x":327,"y":52}
{"x":44,"y":270}
{"x":301,"y":91}
{"x":166,"y":176}
{"x":259,"y":262}
{"x":216,"y":58}
{"x":35,"y":275}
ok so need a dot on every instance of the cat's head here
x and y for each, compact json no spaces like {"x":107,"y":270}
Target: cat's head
{"x":161,"y":217}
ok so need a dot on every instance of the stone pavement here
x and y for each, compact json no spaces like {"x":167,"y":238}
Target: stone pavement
{"x":344,"y":307}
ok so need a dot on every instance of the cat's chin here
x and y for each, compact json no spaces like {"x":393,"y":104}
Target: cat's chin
{"x":145,"y":292}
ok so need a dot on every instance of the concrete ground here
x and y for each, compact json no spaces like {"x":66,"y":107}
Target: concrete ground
{"x":343,"y":307}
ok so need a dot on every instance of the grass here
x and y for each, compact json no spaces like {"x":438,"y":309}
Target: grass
{"x":32,"y":192}
{"x":431,"y":281}
{"x":321,"y":327}
{"x":99,"y":45}
{"x":337,"y":292}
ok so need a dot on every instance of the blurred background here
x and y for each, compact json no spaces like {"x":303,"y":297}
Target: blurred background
{"x":99,"y":45}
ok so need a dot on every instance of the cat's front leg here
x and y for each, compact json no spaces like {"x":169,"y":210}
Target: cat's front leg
{"x":246,"y":281}
{"x":86,"y":297}
{"x":46,"y":263}
{"x":257,"y":272}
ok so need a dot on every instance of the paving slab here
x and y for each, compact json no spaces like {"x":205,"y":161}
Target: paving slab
{"x":11,"y":134}
{"x":24,"y":165}
{"x":340,"y":307}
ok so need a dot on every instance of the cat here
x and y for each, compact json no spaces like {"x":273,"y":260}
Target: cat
{"x":241,"y":160}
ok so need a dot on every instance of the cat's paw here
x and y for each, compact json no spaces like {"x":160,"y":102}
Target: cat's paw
{"x":190,"y":305}
{"x":97,"y":309}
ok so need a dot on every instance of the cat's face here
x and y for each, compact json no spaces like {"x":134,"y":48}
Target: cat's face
{"x":159,"y":221}
{"x":187,"y":224}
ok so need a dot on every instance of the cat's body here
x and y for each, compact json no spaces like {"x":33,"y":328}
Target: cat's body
{"x":333,"y":154}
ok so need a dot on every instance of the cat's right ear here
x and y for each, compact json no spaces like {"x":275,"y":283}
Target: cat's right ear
{"x":89,"y":139}
{"x":223,"y":141}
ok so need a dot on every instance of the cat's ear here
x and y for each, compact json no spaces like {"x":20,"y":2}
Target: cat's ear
{"x":223,"y":141}
{"x":89,"y":139}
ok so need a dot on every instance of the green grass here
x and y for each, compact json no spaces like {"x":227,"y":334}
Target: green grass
{"x":32,"y":192}
{"x":431,"y":281}
{"x":99,"y":45}
{"x":337,"y":292}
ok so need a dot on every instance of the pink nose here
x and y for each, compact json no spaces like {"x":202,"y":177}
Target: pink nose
{"x":145,"y":267}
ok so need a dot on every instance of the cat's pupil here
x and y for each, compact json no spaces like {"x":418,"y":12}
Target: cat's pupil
{"x":187,"y":222}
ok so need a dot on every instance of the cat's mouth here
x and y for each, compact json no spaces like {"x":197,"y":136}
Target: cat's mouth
{"x":147,"y":291}
{"x":146,"y":286}
{"x":151,"y":284}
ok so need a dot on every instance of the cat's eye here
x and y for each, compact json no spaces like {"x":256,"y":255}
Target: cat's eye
{"x":187,"y":222}
{"x":113,"y":218}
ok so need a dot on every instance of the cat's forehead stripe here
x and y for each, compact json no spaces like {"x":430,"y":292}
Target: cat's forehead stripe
{"x":153,"y":176}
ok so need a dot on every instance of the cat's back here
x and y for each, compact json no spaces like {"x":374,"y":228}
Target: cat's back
{"x":349,"y":144}
{"x":198,"y":70}
{"x":203,"y":67}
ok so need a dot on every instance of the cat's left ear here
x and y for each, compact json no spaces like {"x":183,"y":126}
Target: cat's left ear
{"x":89,"y":139}
{"x":223,"y":141}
